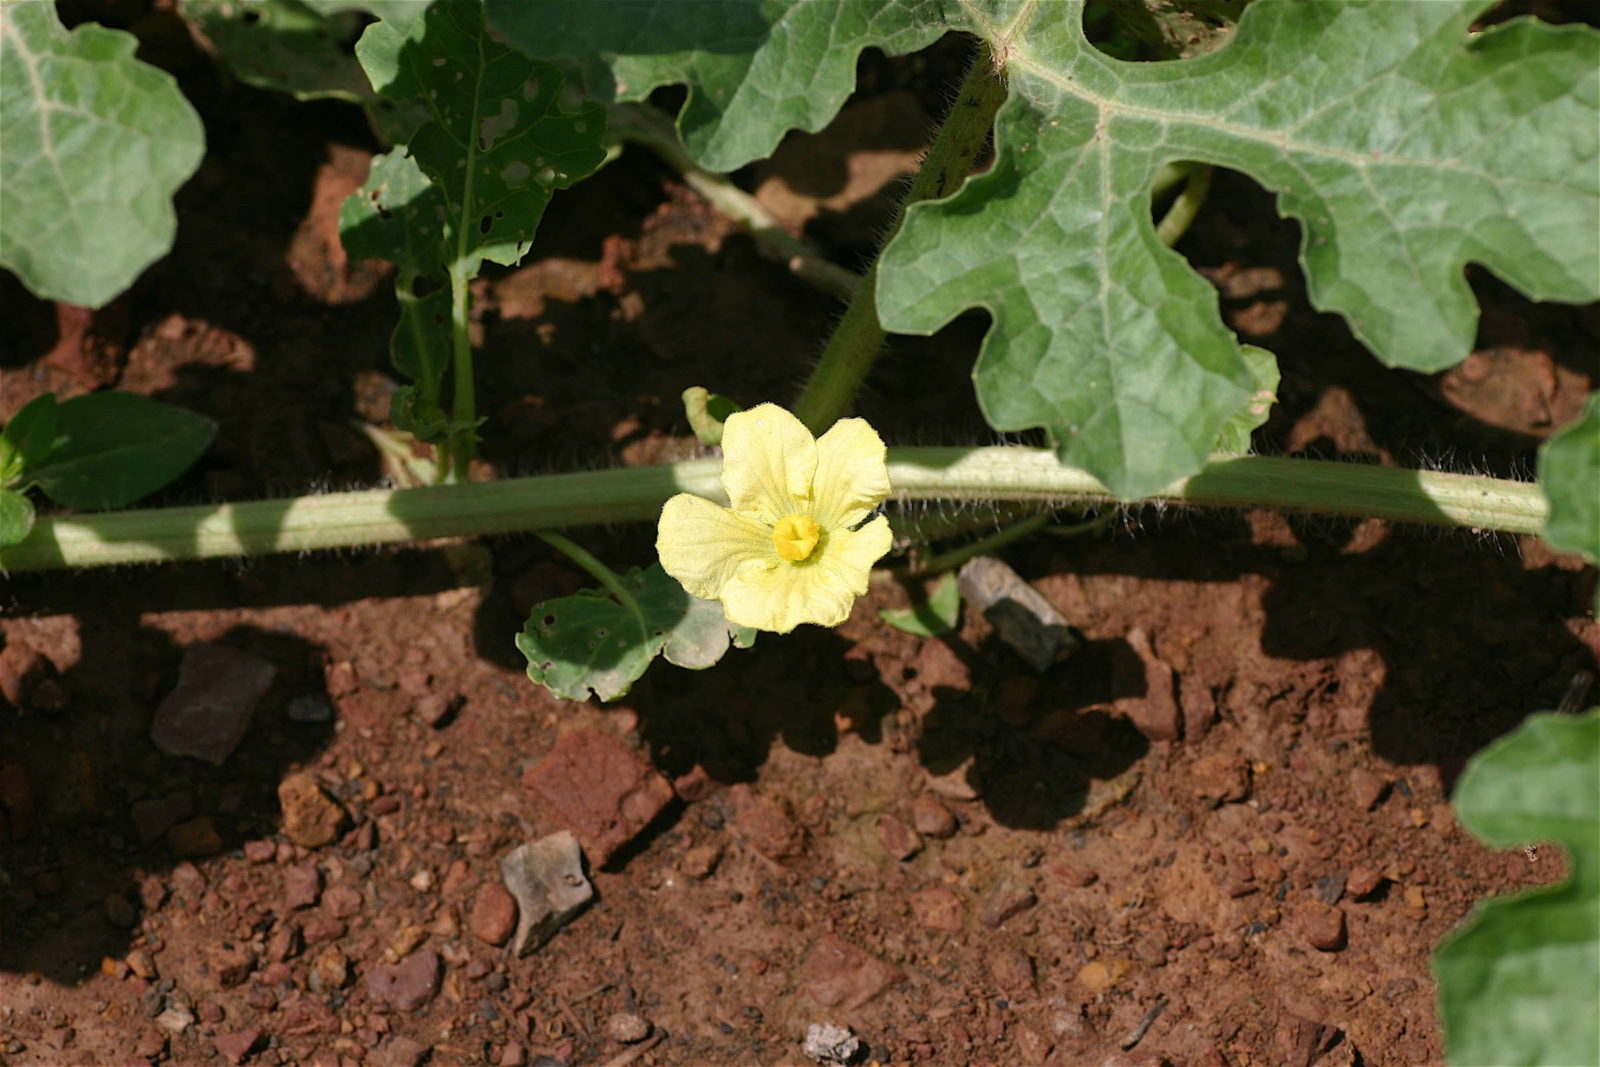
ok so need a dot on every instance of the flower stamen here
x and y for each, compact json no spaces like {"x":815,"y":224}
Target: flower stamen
{"x":795,"y":537}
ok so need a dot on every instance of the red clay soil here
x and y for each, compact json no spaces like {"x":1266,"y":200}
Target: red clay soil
{"x":1218,"y":834}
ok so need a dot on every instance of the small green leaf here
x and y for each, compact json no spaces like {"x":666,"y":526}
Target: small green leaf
{"x":592,"y":642}
{"x":939,"y":614}
{"x":96,"y":142}
{"x":1569,"y":474}
{"x":114,"y":448}
{"x":16,"y":517}
{"x":497,"y":143}
{"x":1520,"y":983}
{"x":754,"y":70}
{"x":28,"y":438}
{"x":1235,"y":436}
{"x":706,"y":412}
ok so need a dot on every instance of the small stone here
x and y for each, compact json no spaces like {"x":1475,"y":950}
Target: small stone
{"x":1367,"y":788}
{"x":230,"y":963}
{"x":407,"y":985}
{"x":140,"y":963}
{"x":403,"y":1052}
{"x":323,"y":929}
{"x":1033,"y":1046}
{"x":285,"y":943}
{"x":931,"y":818}
{"x":1011,"y":968}
{"x":1320,"y":926}
{"x":1155,"y":713}
{"x":1097,"y":976}
{"x":1006,"y":900}
{"x":1075,"y":876}
{"x":1330,"y":888}
{"x":236,"y":1046}
{"x":513,"y":1055}
{"x":837,"y":974}
{"x":1019,"y":613}
{"x":1364,"y":882}
{"x":765,"y":824}
{"x":1221,"y":778}
{"x":1415,"y":901}
{"x":310,"y":817}
{"x":259,"y":851}
{"x":494,"y":914}
{"x":211,"y":1012}
{"x":195,"y":838}
{"x":302,"y":886}
{"x":938,"y":667}
{"x":899,"y":840}
{"x":175,"y":1020}
{"x":938,"y":908}
{"x":342,"y":901}
{"x":627,"y":1028}
{"x":120,"y":912}
{"x":700,"y":861}
{"x":153,"y":816}
{"x":605,"y":793}
{"x":436,"y":709}
{"x":831,"y":1045}
{"x":207,"y":714}
{"x":330,"y":971}
{"x":546,"y":878}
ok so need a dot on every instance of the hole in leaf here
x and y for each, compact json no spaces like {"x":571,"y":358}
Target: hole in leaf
{"x":601,"y":633}
{"x":549,"y":620}
{"x":485,"y":223}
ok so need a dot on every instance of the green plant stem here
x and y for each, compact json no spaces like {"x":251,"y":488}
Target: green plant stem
{"x":456,"y":456}
{"x":591,"y":563}
{"x":644,"y":125}
{"x":1175,"y":223}
{"x":1004,"y":473}
{"x":859,"y":336}
{"x":955,"y":557}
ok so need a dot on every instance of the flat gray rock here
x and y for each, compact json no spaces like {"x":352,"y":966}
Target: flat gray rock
{"x":207,"y":713}
{"x":546,"y":876}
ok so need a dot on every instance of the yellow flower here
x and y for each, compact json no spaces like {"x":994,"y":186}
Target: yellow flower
{"x":788,"y":550}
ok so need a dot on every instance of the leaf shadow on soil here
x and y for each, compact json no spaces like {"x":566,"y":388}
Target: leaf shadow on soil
{"x":105,"y":800}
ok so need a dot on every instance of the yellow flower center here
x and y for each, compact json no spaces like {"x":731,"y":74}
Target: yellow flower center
{"x":795,"y":537}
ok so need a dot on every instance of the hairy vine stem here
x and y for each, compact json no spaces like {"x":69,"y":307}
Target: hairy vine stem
{"x":998,"y":473}
{"x":859,"y":337}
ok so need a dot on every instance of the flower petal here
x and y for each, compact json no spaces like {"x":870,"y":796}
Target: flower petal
{"x":702,"y":544}
{"x":778,"y":596}
{"x":768,"y":461}
{"x":852,"y":474}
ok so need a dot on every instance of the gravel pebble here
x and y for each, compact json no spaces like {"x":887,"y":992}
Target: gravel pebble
{"x":407,"y":985}
{"x":494,"y":914}
{"x":627,"y":1028}
{"x":931,"y":818}
{"x":310,"y":817}
{"x":900,"y":841}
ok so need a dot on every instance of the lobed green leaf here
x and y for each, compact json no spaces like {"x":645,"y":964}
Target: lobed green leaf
{"x":595,"y":642}
{"x":1520,"y":983}
{"x":1405,"y":147}
{"x":16,"y":517}
{"x":28,"y":439}
{"x":96,"y":142}
{"x":754,"y":69}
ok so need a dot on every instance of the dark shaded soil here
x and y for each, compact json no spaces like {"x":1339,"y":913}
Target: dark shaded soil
{"x":1096,"y":891}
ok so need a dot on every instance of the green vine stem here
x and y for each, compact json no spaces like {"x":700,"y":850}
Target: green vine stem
{"x":996,"y":473}
{"x":859,"y":337}
{"x":644,"y":125}
{"x":955,"y":557}
{"x":455,"y":457}
{"x":597,"y":570}
{"x":1175,"y":223}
